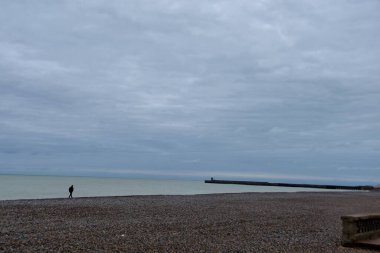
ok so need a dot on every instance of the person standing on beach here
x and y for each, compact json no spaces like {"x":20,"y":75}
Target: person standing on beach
{"x":71,"y":189}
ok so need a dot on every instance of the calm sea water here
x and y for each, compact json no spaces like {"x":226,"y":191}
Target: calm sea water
{"x":36,"y":187}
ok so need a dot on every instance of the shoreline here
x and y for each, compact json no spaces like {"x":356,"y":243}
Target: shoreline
{"x":222,"y":222}
{"x":196,"y":194}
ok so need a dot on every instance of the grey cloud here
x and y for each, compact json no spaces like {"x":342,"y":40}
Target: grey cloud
{"x":286,"y":87}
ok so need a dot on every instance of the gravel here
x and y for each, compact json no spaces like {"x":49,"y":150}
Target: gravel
{"x":244,"y":222}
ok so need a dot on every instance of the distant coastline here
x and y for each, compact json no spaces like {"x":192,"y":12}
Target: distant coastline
{"x":314,"y":186}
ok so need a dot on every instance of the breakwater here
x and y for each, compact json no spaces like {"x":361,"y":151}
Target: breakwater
{"x":317,"y":186}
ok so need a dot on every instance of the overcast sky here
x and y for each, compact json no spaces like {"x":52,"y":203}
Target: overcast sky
{"x":277,"y":89}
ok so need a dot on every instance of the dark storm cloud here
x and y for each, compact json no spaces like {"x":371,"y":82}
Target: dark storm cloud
{"x":270,"y":89}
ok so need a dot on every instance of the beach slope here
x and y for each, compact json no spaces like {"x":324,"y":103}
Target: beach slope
{"x":246,"y":222}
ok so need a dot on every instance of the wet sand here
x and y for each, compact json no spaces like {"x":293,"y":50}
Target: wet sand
{"x":246,"y":222}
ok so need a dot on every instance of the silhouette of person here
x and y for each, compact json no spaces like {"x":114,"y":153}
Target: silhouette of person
{"x":71,"y":189}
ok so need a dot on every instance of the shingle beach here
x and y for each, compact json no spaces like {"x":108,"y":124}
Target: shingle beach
{"x":246,"y":222}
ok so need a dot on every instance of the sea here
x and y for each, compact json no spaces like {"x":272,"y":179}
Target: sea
{"x":14,"y":187}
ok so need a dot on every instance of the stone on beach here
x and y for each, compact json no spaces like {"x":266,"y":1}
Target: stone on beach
{"x":246,"y":222}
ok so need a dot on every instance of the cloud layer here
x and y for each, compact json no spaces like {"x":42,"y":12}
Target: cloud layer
{"x":193,"y":88}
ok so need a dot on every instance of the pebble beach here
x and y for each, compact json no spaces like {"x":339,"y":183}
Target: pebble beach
{"x":240,"y":222}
